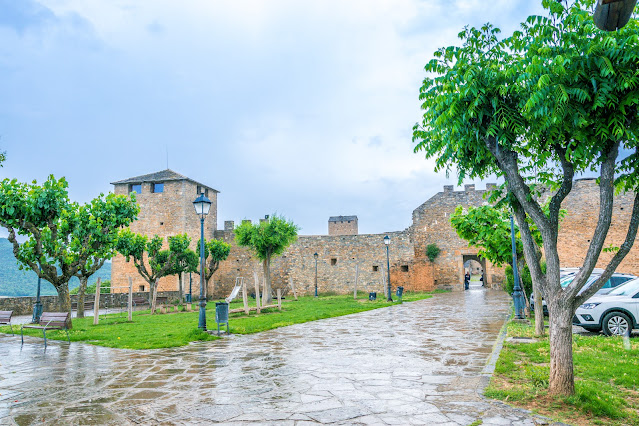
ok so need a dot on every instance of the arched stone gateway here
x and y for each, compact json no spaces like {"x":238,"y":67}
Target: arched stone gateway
{"x":470,"y":261}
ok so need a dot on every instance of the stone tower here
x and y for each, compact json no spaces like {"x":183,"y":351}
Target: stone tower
{"x":166,"y":208}
{"x":342,"y":225}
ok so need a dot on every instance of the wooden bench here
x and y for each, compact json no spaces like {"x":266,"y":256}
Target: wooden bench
{"x":140,"y":301}
{"x":88,"y":306}
{"x":5,"y":318}
{"x":49,"y":321}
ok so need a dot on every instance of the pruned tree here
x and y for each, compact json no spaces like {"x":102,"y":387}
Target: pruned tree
{"x":187,"y":261}
{"x":144,"y":251}
{"x":94,"y":237}
{"x":215,"y":251}
{"x":61,"y":237}
{"x":557,"y":98}
{"x":267,"y":239}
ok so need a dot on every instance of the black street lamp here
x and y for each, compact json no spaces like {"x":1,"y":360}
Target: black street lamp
{"x":190,"y":288}
{"x":315,"y":256}
{"x":202,"y":206}
{"x":387,"y":243}
{"x":518,"y":295}
{"x":37,"y":307}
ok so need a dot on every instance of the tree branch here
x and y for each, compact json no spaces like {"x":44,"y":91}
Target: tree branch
{"x":531,"y":250}
{"x":618,"y":257}
{"x":564,"y":190}
{"x":606,"y":198}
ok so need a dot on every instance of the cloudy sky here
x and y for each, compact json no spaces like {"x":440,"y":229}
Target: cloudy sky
{"x":304,"y":108}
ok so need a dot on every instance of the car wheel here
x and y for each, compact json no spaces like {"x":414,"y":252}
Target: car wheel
{"x":617,"y":324}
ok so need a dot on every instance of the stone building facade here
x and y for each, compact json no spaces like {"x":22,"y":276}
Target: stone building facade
{"x":166,"y":209}
{"x":344,"y":256}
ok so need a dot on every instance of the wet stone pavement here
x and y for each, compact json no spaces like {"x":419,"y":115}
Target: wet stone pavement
{"x":416,"y":363}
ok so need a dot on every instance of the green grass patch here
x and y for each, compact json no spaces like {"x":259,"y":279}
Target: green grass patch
{"x":180,"y":328}
{"x":606,"y":378}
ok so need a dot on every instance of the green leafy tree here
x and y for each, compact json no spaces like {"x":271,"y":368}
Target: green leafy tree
{"x":3,"y":157}
{"x":145,"y":252}
{"x":95,"y":233}
{"x":555,"y":99}
{"x":56,"y":242}
{"x":187,"y":261}
{"x":267,"y":239}
{"x":215,"y":251}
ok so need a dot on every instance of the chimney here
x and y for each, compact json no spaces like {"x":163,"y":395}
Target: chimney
{"x":246,"y":221}
{"x":229,"y":225}
{"x":469,"y":187}
{"x":449,"y":188}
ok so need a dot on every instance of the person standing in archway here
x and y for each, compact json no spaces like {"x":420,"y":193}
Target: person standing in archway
{"x":466,"y":280}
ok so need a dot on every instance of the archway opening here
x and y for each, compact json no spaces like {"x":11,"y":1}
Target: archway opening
{"x":476,"y":267}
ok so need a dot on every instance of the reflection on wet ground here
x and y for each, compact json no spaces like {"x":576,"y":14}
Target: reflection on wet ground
{"x":416,"y":363}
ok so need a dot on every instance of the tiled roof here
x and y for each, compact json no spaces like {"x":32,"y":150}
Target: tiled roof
{"x":341,"y":218}
{"x":162,"y":176}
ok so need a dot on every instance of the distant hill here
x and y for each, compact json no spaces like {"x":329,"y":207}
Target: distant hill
{"x":14,"y":282}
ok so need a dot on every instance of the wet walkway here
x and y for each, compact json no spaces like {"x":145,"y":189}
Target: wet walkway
{"x":416,"y":363}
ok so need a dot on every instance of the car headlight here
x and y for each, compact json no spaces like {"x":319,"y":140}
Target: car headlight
{"x":589,"y":305}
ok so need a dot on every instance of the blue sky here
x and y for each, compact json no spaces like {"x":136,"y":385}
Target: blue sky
{"x":296,"y":107}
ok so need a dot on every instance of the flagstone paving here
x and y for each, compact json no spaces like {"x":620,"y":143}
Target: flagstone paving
{"x":416,"y":363}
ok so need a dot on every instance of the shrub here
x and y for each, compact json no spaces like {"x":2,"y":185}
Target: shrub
{"x":432,"y":251}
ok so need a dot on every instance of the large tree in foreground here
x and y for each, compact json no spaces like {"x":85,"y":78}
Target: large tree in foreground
{"x":267,"y":239}
{"x":557,"y":98}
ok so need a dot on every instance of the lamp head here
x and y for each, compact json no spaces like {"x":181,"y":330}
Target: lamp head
{"x":315,"y":255}
{"x":202,"y":205}
{"x":387,"y":240}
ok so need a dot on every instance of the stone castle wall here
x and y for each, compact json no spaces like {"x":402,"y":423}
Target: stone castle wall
{"x":339,"y":255}
{"x":343,"y":227}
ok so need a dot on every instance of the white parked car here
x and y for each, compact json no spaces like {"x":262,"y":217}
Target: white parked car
{"x":616,"y":313}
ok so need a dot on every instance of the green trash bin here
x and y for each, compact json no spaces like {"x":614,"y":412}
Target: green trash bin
{"x":222,"y":315}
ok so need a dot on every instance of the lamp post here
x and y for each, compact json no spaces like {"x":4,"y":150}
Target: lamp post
{"x":190,"y":288}
{"x":387,"y":243}
{"x":518,"y":295}
{"x":315,"y":256}
{"x":37,"y":307}
{"x":202,"y":206}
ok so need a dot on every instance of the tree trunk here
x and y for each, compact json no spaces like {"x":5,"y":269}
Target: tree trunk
{"x":64,"y":301}
{"x":81,"y":291}
{"x":267,"y":297}
{"x":561,"y":364}
{"x":154,"y":293}
{"x":540,"y":329}
{"x":181,"y":286}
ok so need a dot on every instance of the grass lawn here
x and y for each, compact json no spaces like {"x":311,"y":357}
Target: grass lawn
{"x":606,"y":379}
{"x":179,"y":328}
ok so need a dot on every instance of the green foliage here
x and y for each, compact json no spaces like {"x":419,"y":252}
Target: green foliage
{"x":557,"y":89}
{"x":160,"y":262}
{"x":3,"y":157}
{"x":268,"y":238}
{"x":105,"y":288}
{"x":432,"y":251}
{"x":215,"y":251}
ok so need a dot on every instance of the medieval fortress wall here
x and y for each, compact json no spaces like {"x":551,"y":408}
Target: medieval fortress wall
{"x":344,"y":255}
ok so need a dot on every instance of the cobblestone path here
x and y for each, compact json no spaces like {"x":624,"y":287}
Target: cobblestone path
{"x":416,"y":363}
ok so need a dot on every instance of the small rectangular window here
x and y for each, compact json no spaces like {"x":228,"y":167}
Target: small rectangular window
{"x":199,"y":190}
{"x":206,"y":193}
{"x":141,"y":288}
{"x":404,"y":268}
{"x":157,"y":187}
{"x":375,"y":268}
{"x":333,"y":261}
{"x":135,"y":188}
